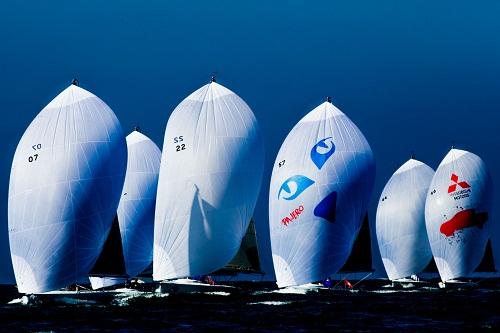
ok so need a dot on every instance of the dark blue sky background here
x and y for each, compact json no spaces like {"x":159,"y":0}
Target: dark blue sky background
{"x":413,"y":75}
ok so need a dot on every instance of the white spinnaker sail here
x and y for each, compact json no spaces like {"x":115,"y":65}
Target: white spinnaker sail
{"x":400,"y":226}
{"x":457,"y":213}
{"x":136,"y":210}
{"x":65,"y":184}
{"x":320,"y":186}
{"x":210,"y":177}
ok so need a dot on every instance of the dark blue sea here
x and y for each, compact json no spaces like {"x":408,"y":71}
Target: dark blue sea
{"x":424,"y":310}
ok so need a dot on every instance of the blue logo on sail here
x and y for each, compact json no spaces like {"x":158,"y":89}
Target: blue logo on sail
{"x":327,"y":208}
{"x":301,"y":183}
{"x":320,"y":157}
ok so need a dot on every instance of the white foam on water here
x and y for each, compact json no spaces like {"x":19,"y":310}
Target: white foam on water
{"x":218,"y":293}
{"x":384,"y":291}
{"x":23,"y":300}
{"x":124,"y":298}
{"x":392,"y":291}
{"x":290,"y":291}
{"x":271,"y":303}
{"x":300,"y":290}
{"x":262,"y":292}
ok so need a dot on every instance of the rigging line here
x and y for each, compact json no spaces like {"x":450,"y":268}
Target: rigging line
{"x":362,"y":279}
{"x":82,"y":287}
{"x":335,"y":286}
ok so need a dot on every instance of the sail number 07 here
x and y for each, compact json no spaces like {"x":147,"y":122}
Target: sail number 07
{"x":34,"y":157}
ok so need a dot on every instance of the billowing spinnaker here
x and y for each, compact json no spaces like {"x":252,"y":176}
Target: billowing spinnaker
{"x":210,"y":177}
{"x":457,"y":213}
{"x":136,"y":210}
{"x":65,"y":184}
{"x":401,"y":234}
{"x":320,"y":187}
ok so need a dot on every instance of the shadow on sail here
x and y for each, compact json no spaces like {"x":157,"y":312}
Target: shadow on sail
{"x":201,"y":236}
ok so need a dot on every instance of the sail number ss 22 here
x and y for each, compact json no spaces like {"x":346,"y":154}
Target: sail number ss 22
{"x":179,"y":145}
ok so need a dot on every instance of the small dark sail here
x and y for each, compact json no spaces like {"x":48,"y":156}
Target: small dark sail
{"x":111,"y":261}
{"x":360,"y":259}
{"x":246,"y":259}
{"x":488,"y":262}
{"x":431,"y":267}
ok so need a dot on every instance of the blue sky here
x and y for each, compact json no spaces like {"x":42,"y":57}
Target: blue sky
{"x":412,"y":75}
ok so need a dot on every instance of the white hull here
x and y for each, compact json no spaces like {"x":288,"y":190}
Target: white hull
{"x":190,"y":286}
{"x":98,"y":282}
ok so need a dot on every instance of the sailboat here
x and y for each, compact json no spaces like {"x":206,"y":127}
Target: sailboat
{"x":400,"y":224}
{"x":210,"y":177}
{"x":457,"y":214}
{"x":65,"y":184}
{"x":320,"y":186}
{"x":129,"y":248}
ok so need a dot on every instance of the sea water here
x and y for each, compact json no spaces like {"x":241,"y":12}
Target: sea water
{"x":428,"y":309}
